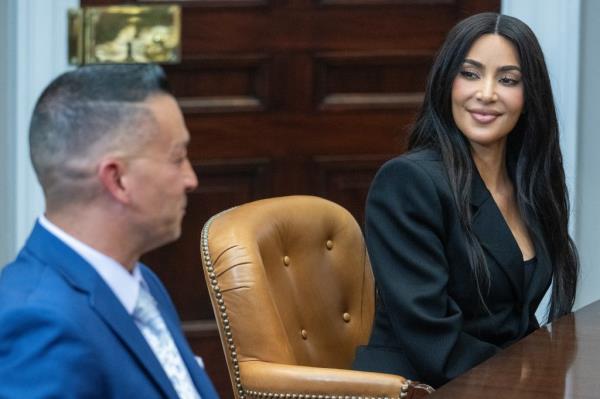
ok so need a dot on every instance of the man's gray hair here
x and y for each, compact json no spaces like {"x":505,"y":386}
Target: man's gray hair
{"x":85,"y":114}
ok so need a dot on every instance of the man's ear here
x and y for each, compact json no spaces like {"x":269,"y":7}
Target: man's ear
{"x":111,"y":173}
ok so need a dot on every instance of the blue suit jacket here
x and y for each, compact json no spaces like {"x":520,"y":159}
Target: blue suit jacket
{"x":64,"y":334}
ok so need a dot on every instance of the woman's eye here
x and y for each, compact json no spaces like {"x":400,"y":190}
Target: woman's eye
{"x":508,"y":81}
{"x":469,"y":75}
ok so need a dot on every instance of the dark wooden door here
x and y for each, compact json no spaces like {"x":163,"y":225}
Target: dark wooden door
{"x":291,"y":97}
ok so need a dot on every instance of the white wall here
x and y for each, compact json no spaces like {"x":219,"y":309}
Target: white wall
{"x":34,"y":42}
{"x":7,"y":138}
{"x":588,"y":163}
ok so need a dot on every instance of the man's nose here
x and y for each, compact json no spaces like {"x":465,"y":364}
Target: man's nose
{"x":191,"y":180}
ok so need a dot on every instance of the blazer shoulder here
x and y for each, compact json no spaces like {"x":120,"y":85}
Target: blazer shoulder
{"x":415,"y":167}
{"x":426,"y":159}
{"x":25,"y":279}
{"x":423,"y":155}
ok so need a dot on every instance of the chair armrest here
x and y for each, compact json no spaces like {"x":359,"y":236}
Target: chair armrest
{"x":272,"y":380}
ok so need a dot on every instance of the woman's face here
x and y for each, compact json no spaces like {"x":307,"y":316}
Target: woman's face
{"x":487,"y":93}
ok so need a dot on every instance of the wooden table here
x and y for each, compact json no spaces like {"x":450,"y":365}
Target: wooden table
{"x":561,"y":360}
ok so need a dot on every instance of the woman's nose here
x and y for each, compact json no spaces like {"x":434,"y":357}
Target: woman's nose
{"x":487,"y":91}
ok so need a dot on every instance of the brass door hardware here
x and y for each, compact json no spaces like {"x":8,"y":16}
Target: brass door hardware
{"x":125,"y":34}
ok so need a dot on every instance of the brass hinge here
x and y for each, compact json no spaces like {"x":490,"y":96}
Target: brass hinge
{"x":125,"y":34}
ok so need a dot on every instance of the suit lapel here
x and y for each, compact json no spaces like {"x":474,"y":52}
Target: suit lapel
{"x":83,"y":277}
{"x":112,"y":312}
{"x":495,"y":236}
{"x":198,"y":375}
{"x":201,"y":381}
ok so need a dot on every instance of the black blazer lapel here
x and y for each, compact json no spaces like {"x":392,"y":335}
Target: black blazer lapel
{"x":495,"y":236}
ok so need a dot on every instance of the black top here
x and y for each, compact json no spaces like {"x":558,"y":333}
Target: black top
{"x":430,"y":324}
{"x":529,"y":266}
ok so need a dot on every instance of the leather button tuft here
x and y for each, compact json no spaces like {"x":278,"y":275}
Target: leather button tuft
{"x":304,"y":334}
{"x":329,"y":244}
{"x":346,"y":317}
{"x":286,"y":260}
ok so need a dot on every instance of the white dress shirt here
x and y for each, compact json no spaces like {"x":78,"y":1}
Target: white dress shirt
{"x":123,"y":284}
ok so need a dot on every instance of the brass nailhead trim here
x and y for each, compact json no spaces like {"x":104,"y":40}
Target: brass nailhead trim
{"x":251,"y":394}
{"x":224,"y":317}
{"x":404,"y":389}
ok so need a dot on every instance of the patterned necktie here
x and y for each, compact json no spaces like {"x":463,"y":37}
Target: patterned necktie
{"x":152,"y":326}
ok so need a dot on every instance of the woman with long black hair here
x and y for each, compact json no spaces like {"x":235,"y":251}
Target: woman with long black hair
{"x":468,"y":229}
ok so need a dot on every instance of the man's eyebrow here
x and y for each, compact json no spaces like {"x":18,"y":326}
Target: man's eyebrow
{"x":179,"y":146}
{"x":504,"y":68}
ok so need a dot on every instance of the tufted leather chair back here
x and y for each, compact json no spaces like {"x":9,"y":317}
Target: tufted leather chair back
{"x":291,"y":284}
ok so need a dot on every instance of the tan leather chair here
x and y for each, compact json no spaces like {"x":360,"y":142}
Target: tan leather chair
{"x":292,"y":289}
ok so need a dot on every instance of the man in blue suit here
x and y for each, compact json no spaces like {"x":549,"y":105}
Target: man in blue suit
{"x":80,"y":317}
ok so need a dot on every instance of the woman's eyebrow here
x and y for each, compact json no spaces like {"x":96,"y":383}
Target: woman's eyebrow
{"x":504,"y":68}
{"x":509,"y":68}
{"x":473,"y":62}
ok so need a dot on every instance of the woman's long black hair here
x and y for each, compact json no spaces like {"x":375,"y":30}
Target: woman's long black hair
{"x":534,"y":159}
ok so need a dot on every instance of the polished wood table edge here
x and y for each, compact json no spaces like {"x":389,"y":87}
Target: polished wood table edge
{"x":558,"y":360}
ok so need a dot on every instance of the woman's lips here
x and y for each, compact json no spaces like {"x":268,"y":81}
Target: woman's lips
{"x":484,"y":117}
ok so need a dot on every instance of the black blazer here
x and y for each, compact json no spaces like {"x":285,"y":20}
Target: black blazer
{"x":429,"y":324}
